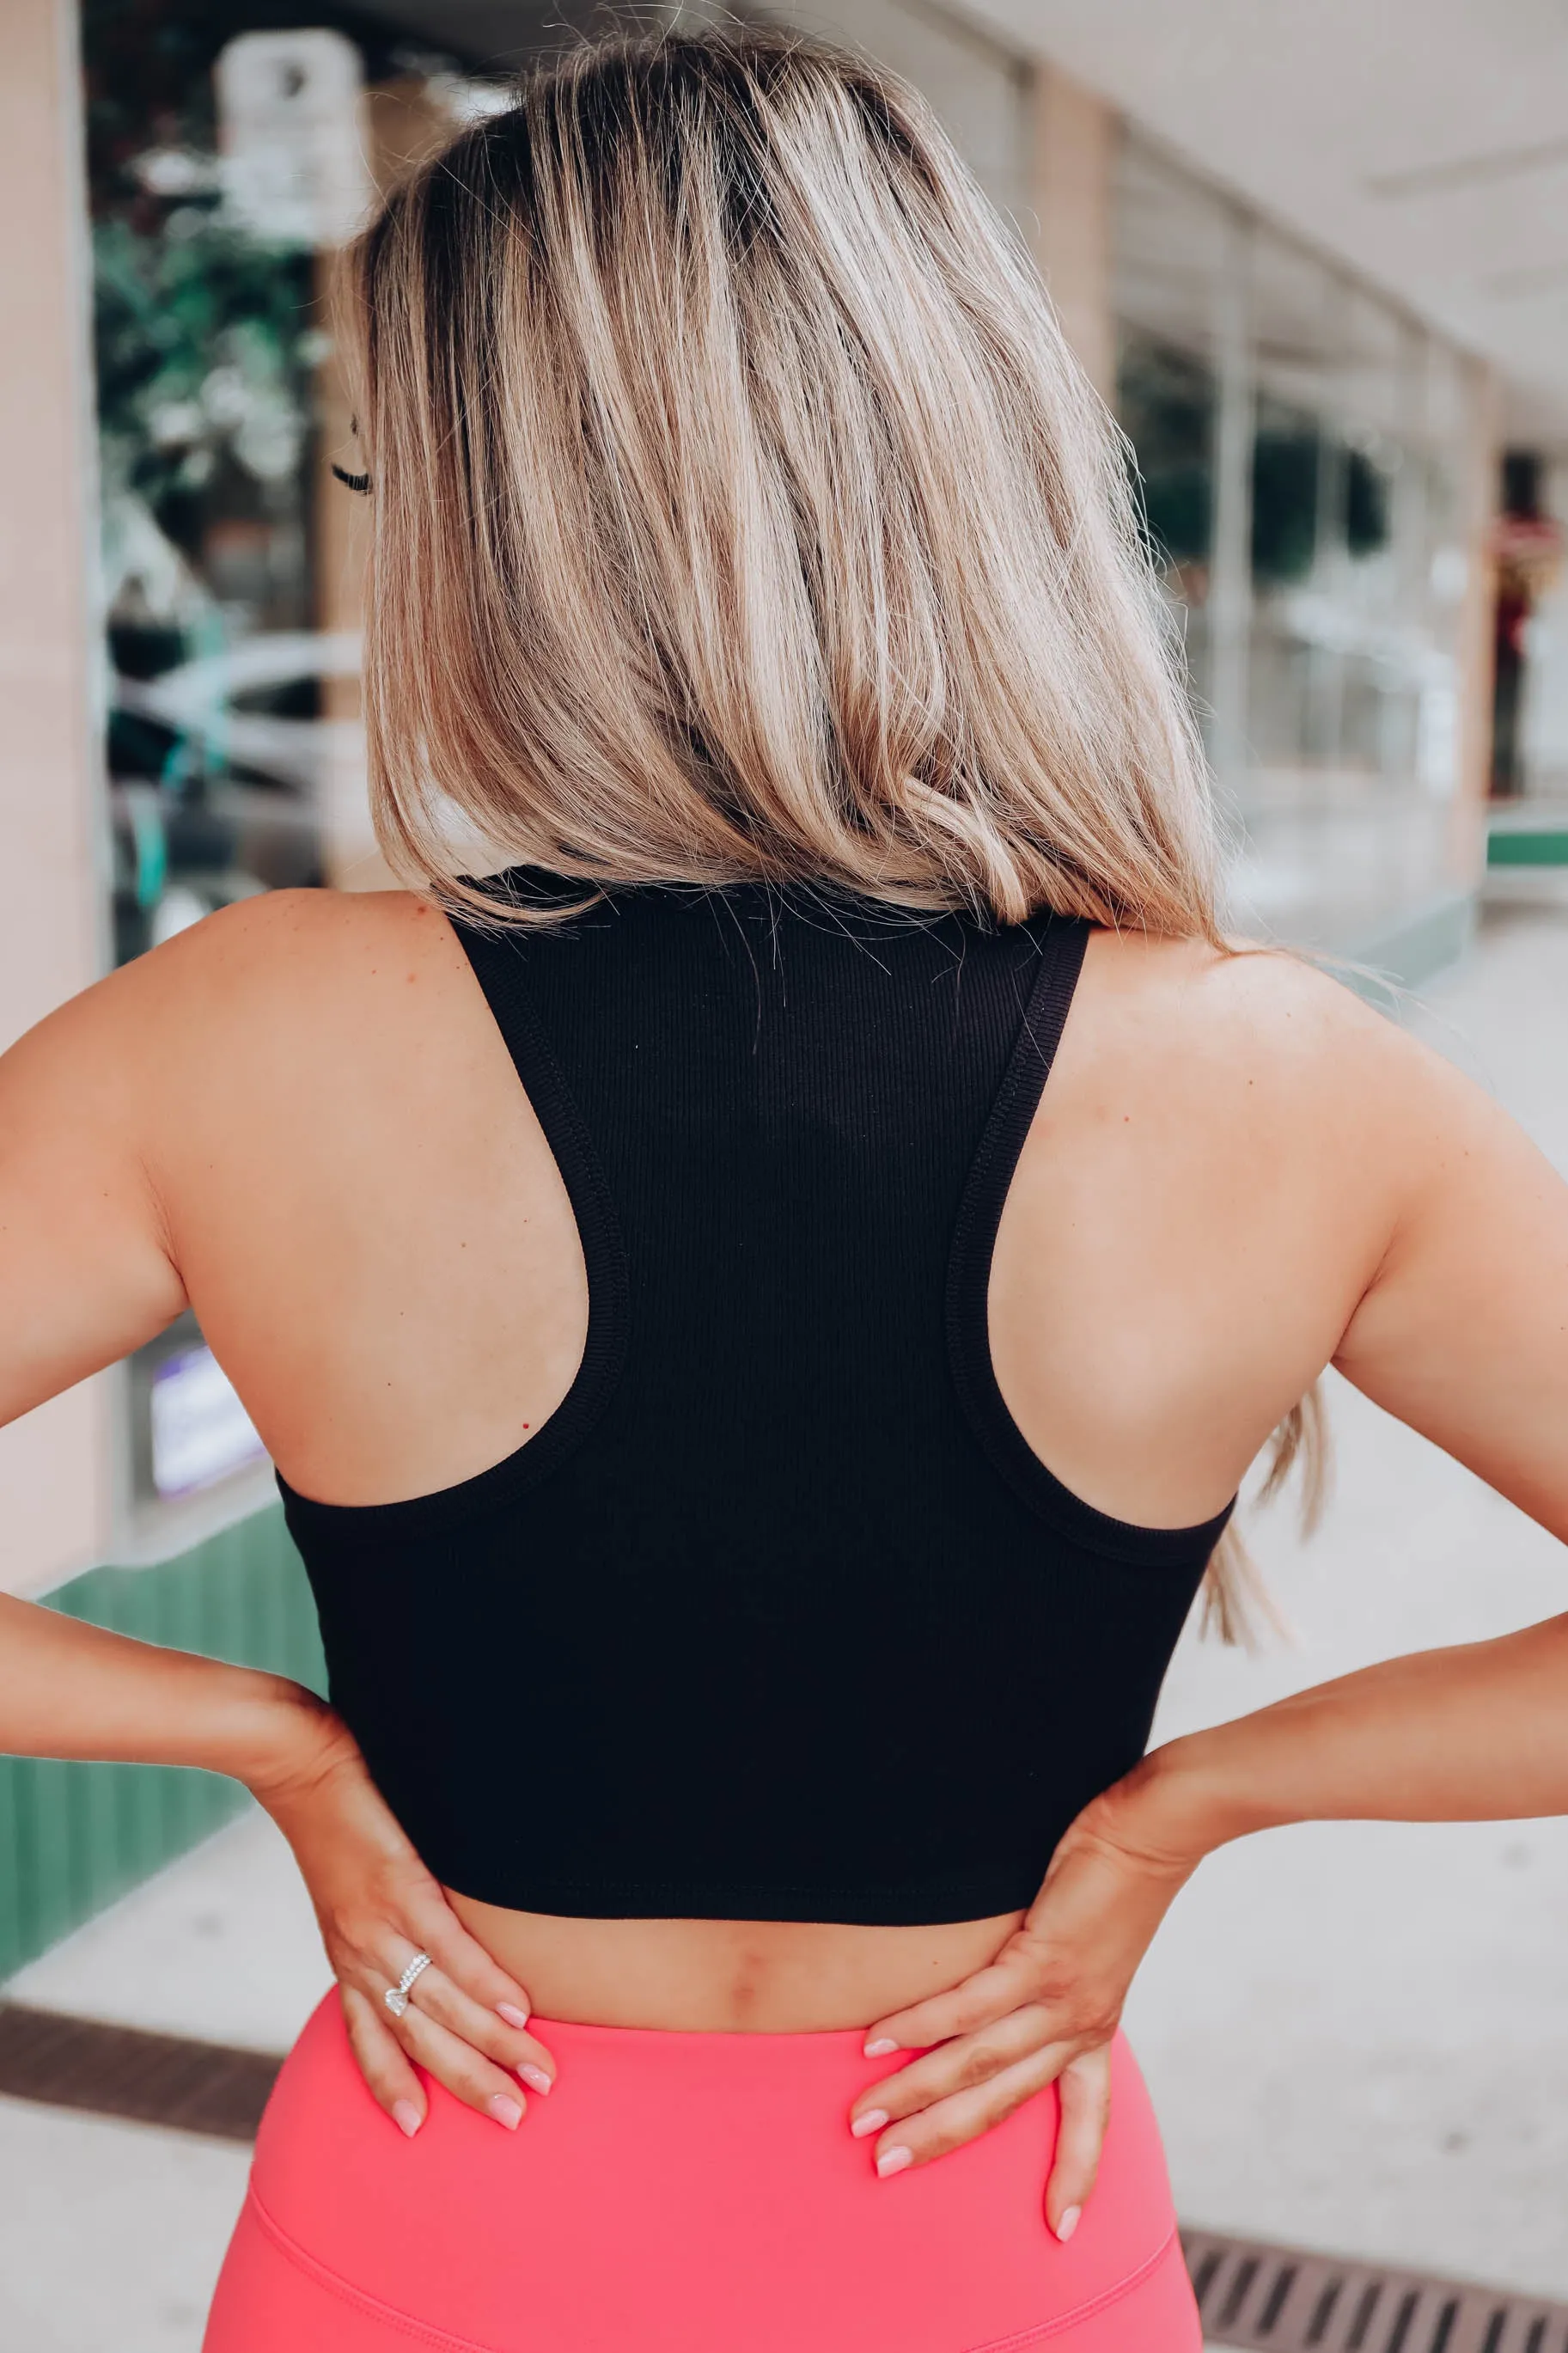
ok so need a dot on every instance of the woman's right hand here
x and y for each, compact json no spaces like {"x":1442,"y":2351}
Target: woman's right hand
{"x":377,"y":1906}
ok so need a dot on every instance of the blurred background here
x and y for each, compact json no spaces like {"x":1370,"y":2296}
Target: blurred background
{"x":1315,"y":255}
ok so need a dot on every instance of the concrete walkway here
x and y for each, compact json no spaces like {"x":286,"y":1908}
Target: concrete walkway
{"x":1357,"y":2035}
{"x":111,"y":2235}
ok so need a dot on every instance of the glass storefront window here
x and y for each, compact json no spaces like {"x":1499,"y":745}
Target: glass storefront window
{"x":228,"y":161}
{"x":1166,"y":398}
{"x":1171,"y":238}
{"x":1324,"y":582}
{"x":230,"y":157}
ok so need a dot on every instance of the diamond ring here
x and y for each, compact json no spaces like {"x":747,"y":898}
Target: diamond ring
{"x":396,"y":1997}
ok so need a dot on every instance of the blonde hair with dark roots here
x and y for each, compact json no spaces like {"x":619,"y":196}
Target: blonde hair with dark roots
{"x":741,"y":514}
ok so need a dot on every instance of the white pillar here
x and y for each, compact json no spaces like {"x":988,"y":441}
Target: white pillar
{"x":1073,"y":166}
{"x":1231,"y":569}
{"x":55,"y":1464}
{"x":1483,"y":460}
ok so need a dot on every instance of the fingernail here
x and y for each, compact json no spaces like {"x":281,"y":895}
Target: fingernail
{"x":536,"y":2078}
{"x":406,"y":2116}
{"x":893,"y":2160}
{"x":879,"y":2048}
{"x":511,"y":2012}
{"x":872,"y":2121}
{"x":506,"y":2112}
{"x":1068,"y":2223}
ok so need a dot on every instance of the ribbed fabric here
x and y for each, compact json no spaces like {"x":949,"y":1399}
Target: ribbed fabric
{"x":795,"y":1624}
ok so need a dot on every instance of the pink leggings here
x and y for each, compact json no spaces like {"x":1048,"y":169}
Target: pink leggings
{"x":684,"y":2193}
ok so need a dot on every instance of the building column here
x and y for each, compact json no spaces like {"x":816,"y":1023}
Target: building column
{"x":55,"y":1464}
{"x":1072,"y":170}
{"x":1230,"y":561}
{"x":1483,"y":463}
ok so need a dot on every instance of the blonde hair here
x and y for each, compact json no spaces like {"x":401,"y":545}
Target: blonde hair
{"x":740,"y":513}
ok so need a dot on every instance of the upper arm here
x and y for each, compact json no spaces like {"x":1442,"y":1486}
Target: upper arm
{"x":85,"y":1275}
{"x":157,"y":1131}
{"x":1463,"y":1330}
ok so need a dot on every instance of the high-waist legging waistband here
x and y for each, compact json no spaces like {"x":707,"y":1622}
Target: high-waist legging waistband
{"x":691,"y":2192}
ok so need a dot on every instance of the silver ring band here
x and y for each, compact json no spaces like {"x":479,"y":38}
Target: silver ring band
{"x":396,"y":1997}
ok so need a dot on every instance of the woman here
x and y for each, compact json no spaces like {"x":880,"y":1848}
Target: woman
{"x":663,"y":1276}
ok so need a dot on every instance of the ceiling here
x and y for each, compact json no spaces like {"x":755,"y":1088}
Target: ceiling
{"x":500,"y":34}
{"x":1424,"y":141}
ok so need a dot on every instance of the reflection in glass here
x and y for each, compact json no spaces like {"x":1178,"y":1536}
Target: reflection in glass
{"x":1326,"y":580}
{"x":1166,"y":397}
{"x":1286,"y":451}
{"x":1171,"y":236}
{"x":229,"y":159}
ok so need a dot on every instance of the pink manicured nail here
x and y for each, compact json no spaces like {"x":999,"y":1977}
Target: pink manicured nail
{"x":879,"y":2050}
{"x":406,"y":2116}
{"x":535,"y":2077}
{"x":893,"y":2160}
{"x":872,"y":2121}
{"x":506,"y":2112}
{"x":513,"y":2015}
{"x":1068,"y":2223}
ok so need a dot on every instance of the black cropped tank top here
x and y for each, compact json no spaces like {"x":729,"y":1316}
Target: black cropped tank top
{"x":778,"y":1616}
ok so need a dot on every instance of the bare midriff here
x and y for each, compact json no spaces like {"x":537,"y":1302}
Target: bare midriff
{"x":758,"y":1976}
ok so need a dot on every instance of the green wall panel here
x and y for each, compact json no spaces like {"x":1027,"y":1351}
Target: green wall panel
{"x":73,"y":1836}
{"x":1528,"y":846}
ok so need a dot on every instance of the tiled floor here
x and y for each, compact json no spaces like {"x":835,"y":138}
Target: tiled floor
{"x":223,"y":1945}
{"x":1357,"y":2035}
{"x":110,"y":2234}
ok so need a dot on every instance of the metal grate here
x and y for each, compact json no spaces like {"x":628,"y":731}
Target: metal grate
{"x":1285,"y":2300}
{"x":119,"y":2071}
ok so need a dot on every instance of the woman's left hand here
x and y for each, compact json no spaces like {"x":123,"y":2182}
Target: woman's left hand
{"x":1043,"y":2011}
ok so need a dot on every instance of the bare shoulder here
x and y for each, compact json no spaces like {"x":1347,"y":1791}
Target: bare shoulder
{"x":289,"y":996}
{"x":1250,"y":1035}
{"x":1260,"y":1091}
{"x":273,"y":950}
{"x":1217,"y":1001}
{"x":297,"y":973}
